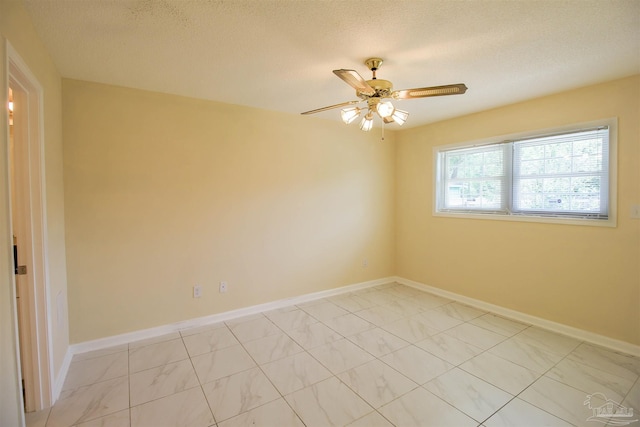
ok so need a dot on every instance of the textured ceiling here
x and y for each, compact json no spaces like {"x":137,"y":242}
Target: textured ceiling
{"x":278,"y":54}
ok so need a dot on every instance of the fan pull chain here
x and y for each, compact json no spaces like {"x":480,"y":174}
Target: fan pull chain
{"x":382,"y":139}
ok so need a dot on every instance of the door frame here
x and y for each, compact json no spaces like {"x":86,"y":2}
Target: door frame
{"x":20,"y":78}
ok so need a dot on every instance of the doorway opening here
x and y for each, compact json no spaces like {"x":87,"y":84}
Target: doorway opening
{"x":28,"y":226}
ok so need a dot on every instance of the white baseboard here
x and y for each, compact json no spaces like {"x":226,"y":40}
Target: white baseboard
{"x":580,"y":334}
{"x":111,"y":341}
{"x":62,"y":376}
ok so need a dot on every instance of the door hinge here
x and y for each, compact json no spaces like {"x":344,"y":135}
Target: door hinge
{"x":22,"y":269}
{"x":15,"y":255}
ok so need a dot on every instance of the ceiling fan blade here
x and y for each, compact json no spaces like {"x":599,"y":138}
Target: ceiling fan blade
{"x":423,"y":92}
{"x":331,"y":107}
{"x":355,"y":80}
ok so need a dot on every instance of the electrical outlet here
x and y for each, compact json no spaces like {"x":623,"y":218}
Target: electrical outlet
{"x":197,"y":291}
{"x":365,"y":263}
{"x":223,"y":287}
{"x":635,"y":211}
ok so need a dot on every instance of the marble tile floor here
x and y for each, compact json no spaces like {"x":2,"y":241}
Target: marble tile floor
{"x":384,"y":356}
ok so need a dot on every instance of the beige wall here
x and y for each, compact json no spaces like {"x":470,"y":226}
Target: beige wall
{"x":164,"y":192}
{"x":581,"y":276}
{"x":17,"y":29}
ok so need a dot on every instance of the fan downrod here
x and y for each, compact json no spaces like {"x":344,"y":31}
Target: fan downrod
{"x":382,"y":87}
{"x":373,"y":64}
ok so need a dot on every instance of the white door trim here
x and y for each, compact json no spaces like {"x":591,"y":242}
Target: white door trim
{"x":20,"y":76}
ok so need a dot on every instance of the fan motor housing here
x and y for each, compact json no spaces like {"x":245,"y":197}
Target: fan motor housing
{"x":382,"y":87}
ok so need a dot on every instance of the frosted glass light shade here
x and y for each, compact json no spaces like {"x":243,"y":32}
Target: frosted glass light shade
{"x":367,"y":123}
{"x":385,"y":109}
{"x":350,"y":114}
{"x":400,"y":116}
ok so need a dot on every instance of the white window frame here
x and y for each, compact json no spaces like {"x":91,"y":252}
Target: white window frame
{"x":505,"y":214}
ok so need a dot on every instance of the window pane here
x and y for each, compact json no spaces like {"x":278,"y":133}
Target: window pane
{"x":556,"y":185}
{"x":532,"y":167}
{"x":562,"y":173}
{"x":557,"y":165}
{"x":532,"y":201}
{"x":474,"y":179}
{"x":532,"y":152}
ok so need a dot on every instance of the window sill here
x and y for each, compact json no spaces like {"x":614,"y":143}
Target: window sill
{"x":611,"y":222}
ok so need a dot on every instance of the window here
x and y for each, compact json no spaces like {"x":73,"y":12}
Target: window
{"x":475,"y":178}
{"x":561,"y":174}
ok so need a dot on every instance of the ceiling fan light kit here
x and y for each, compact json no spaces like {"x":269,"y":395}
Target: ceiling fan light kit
{"x":377,"y":92}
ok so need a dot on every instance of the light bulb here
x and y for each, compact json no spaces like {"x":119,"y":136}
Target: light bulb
{"x":350,"y":114}
{"x":367,"y":122}
{"x":400,"y":116}
{"x":11,"y":106}
{"x":385,"y":109}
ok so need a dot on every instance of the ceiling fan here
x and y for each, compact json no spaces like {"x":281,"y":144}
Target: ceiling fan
{"x":377,"y":93}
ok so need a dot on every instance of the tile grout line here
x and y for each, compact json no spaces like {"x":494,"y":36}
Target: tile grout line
{"x":412,"y":344}
{"x":393,"y":296}
{"x":264,"y":373}
{"x":335,"y":375}
{"x":541,"y":376}
{"x":418,"y":385}
{"x":327,"y":368}
{"x":485,"y":351}
{"x":200,"y":385}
